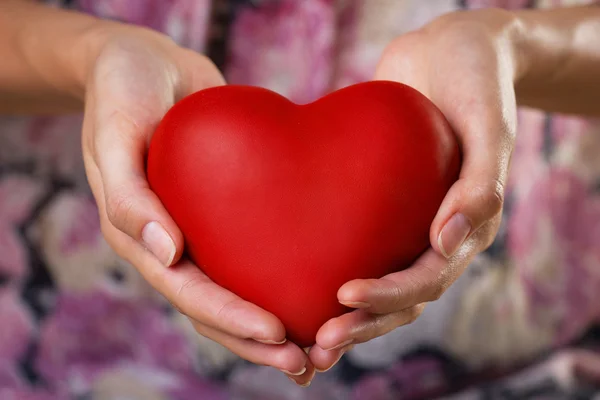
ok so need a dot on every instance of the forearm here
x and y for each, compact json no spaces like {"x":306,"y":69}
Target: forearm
{"x":45,"y":54}
{"x":559,"y":52}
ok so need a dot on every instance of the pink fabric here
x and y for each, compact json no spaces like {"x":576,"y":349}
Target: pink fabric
{"x":85,"y":323}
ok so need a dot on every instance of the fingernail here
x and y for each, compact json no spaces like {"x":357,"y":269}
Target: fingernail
{"x":307,"y":384}
{"x":454,"y":234}
{"x":271,"y":341}
{"x":355,"y":304}
{"x":339,"y":346}
{"x":303,"y":370}
{"x":342,"y":352}
{"x":158,"y":242}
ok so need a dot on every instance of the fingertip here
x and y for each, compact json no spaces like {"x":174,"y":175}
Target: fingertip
{"x":324,"y":360}
{"x":135,"y":210}
{"x":434,"y":239}
{"x":302,"y":371}
{"x":356,"y":304}
{"x":290,"y":359}
{"x":470,"y":203}
{"x":451,"y":205}
{"x":304,"y":379}
{"x":177,"y":238}
{"x":163,"y":218}
{"x":268,"y":329}
{"x":286,"y":357}
{"x":197,"y":296}
{"x":352,"y":290}
{"x":453,"y":235}
{"x":269,"y":341}
{"x":331,"y":334}
{"x":158,"y":241}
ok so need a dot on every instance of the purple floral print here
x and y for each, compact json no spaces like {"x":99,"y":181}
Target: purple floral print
{"x":78,"y":322}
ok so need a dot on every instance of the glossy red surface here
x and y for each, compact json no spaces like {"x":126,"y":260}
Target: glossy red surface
{"x":283,"y":203}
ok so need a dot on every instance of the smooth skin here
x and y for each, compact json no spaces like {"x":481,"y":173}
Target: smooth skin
{"x":475,"y":66}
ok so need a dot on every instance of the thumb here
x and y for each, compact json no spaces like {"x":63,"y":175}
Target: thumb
{"x":473,"y":88}
{"x":130,"y":205}
{"x":477,"y":198}
{"x":127,"y":106}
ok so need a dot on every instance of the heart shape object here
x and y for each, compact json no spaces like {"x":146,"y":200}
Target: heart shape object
{"x":283,"y":203}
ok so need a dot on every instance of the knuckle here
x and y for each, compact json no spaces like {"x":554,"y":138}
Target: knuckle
{"x":188,"y":285}
{"x":187,"y":293}
{"x":125,"y":127}
{"x":491,"y":196}
{"x":119,"y":208}
{"x":397,"y":295}
{"x":424,"y":282}
{"x":226,"y":310}
{"x":119,"y":127}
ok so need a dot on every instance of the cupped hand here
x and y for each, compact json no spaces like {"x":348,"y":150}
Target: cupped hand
{"x":135,"y":76}
{"x":465,"y":64}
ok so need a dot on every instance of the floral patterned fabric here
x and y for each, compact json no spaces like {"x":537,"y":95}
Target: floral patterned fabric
{"x":76,"y":322}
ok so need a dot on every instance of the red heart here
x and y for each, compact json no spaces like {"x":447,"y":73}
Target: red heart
{"x":283,"y":203}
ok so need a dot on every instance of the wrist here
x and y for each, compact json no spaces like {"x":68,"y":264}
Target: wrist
{"x":52,"y":54}
{"x":521,"y":49}
{"x":79,"y":61}
{"x":501,"y":28}
{"x":48,"y":52}
{"x":516,"y":45}
{"x":106,"y":36}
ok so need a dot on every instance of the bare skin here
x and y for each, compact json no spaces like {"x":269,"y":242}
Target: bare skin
{"x":476,"y":66}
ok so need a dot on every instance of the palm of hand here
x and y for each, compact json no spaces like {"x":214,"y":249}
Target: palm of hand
{"x":135,"y":80}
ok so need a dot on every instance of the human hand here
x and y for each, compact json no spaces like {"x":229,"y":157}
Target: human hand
{"x":135,"y":76}
{"x":465,"y":64}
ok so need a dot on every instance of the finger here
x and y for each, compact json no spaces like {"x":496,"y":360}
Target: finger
{"x":131,"y":207}
{"x":121,"y":132}
{"x":127,"y":111}
{"x":187,"y":288}
{"x":287,"y":357}
{"x":306,"y":378}
{"x":194,"y":294}
{"x":486,"y":132}
{"x":324,"y":360}
{"x":360,"y":326}
{"x":480,"y":108}
{"x":426,"y":280}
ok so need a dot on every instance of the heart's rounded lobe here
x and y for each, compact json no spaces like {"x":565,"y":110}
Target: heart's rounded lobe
{"x":283,"y":203}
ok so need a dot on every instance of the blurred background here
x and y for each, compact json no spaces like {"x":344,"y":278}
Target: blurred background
{"x":76,"y":322}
